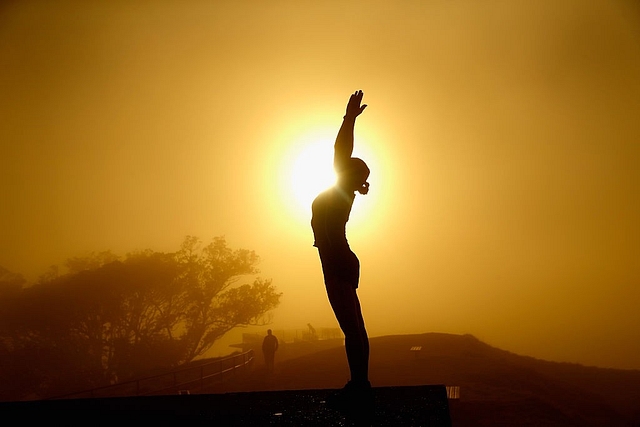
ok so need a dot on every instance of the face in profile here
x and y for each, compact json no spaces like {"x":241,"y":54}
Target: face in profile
{"x":355,"y":177}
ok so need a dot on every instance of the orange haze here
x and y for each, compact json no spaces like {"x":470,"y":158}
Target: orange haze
{"x":503,"y":139}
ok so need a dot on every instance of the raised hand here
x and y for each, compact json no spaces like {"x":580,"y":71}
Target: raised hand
{"x":354,"y":109}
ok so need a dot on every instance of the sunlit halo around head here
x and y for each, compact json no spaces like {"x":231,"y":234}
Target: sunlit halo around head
{"x":304,"y":168}
{"x":311,"y":171}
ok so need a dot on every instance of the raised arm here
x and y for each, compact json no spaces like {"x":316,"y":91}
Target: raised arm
{"x":343,"y":147}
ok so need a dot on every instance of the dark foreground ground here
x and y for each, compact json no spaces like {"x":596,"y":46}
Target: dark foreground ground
{"x":496,"y":388}
{"x":395,"y":406}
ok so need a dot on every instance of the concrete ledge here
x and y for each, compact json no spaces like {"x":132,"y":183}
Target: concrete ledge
{"x":395,"y":406}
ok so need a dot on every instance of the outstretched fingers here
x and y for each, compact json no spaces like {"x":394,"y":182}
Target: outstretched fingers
{"x":354,"y":108}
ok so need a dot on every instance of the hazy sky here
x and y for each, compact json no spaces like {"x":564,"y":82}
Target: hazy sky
{"x":502,"y":136}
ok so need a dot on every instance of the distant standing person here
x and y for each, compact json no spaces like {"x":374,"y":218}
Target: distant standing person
{"x":340,"y":266}
{"x":269,"y":348}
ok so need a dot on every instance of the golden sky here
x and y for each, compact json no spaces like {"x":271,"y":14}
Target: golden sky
{"x":502,"y":136}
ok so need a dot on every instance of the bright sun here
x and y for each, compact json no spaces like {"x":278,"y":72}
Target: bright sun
{"x":311,"y":171}
{"x":304,"y":166}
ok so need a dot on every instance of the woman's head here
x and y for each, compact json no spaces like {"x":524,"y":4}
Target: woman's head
{"x":354,"y":176}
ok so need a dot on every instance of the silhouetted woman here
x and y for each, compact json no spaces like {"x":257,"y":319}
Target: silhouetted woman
{"x":340,"y":266}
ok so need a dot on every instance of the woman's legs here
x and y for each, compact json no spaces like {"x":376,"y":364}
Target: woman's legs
{"x":346,"y":306}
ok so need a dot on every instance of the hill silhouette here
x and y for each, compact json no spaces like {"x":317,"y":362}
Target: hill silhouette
{"x":496,"y":387}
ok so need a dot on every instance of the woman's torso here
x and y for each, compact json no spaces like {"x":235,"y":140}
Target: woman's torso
{"x":330,"y":213}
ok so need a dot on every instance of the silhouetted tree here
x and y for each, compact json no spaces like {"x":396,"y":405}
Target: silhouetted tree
{"x":109,"y":319}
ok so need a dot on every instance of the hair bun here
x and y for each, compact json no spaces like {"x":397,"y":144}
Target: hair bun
{"x":364,"y":188}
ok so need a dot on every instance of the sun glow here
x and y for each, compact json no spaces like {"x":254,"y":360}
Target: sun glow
{"x":310,"y":170}
{"x":302,"y":159}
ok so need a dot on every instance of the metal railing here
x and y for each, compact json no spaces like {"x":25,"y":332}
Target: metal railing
{"x":195,"y":377}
